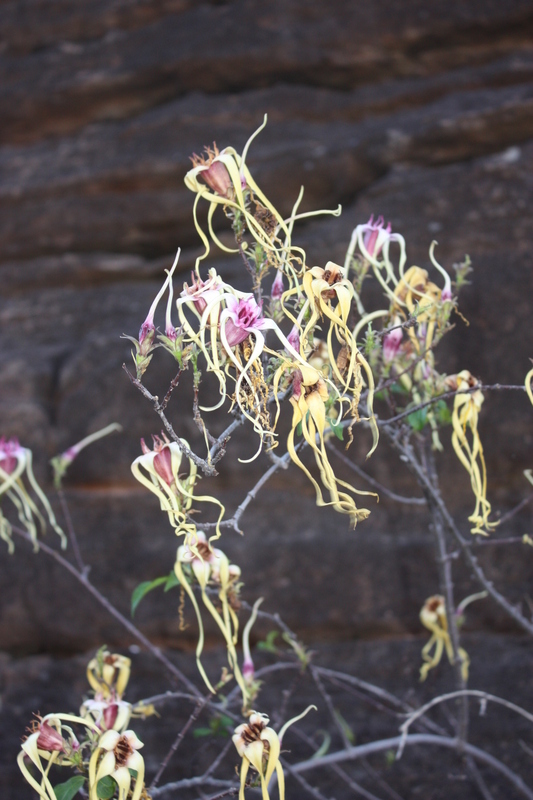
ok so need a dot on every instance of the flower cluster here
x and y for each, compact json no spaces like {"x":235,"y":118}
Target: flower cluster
{"x":103,"y":749}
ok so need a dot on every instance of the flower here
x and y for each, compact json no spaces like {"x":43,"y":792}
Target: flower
{"x":108,"y":674}
{"x":466,"y":408}
{"x":259,"y":747}
{"x":213,"y":171}
{"x":16,"y":462}
{"x":62,"y":462}
{"x":210,"y":565}
{"x":433,"y":617}
{"x":50,"y":742}
{"x":375,"y":236}
{"x":120,"y":755}
{"x":243,"y":316}
{"x":159,"y":471}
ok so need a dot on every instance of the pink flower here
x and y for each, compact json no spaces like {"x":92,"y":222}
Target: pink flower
{"x":243,"y":317}
{"x":213,"y":171}
{"x":391,"y":345}
{"x":162,"y":462}
{"x":10,"y":450}
{"x":202,"y":293}
{"x":374,"y":235}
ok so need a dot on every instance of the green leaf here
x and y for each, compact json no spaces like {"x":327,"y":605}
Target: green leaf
{"x":106,"y":788}
{"x":199,"y":732}
{"x":350,"y":735}
{"x":299,"y":429}
{"x":68,"y":790}
{"x":443,"y":413}
{"x":171,"y":582}
{"x":338,"y":430}
{"x":268,"y":644}
{"x":418,"y":419}
{"x":398,"y":388}
{"x":142,"y":589}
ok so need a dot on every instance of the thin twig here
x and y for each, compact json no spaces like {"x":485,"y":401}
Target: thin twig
{"x":201,"y":704}
{"x":483,"y":696}
{"x":465,"y":547}
{"x":206,"y":468}
{"x":84,"y":580}
{"x":83,"y":568}
{"x":414,"y":501}
{"x":446,"y":395}
{"x":173,"y":385}
{"x":416,"y":739}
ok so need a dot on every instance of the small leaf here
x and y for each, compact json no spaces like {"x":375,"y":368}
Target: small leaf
{"x":398,"y":388}
{"x":171,"y":582}
{"x":106,"y":788}
{"x":268,"y":644}
{"x":299,"y":429}
{"x":418,"y":419}
{"x":338,"y":430}
{"x":443,"y":413}
{"x":350,"y":735}
{"x":199,"y":732}
{"x":69,"y":789}
{"x":142,"y":589}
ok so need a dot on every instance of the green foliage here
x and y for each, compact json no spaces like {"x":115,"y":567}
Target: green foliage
{"x":69,"y":789}
{"x":221,"y":726}
{"x":338,"y":430}
{"x":418,"y":418}
{"x":143,"y":588}
{"x":106,"y":788}
{"x":268,"y":645}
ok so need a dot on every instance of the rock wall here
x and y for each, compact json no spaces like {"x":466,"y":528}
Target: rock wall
{"x":422,"y":112}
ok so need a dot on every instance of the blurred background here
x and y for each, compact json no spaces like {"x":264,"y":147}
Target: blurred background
{"x":421,"y":112}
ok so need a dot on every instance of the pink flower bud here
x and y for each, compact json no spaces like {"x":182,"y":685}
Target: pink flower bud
{"x":110,"y":715}
{"x":163,"y":465}
{"x":375,"y":236}
{"x":391,"y":345}
{"x":248,"y":670}
{"x":49,"y":739}
{"x":294,"y":338}
{"x":277,"y":286}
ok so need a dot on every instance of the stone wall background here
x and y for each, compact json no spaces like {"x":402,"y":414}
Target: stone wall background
{"x":422,"y":112}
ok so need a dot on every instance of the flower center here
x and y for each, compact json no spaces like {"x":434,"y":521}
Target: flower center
{"x":122,"y":752}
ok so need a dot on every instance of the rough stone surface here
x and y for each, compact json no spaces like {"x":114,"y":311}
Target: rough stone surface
{"x":421,"y":112}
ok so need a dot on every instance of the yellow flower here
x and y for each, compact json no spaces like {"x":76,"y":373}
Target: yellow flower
{"x":433,"y":617}
{"x":259,"y":747}
{"x":120,"y":755}
{"x":51,"y":742}
{"x":158,"y":471}
{"x":465,"y":415}
{"x":309,"y":397}
{"x":108,"y":674}
{"x":211,"y":566}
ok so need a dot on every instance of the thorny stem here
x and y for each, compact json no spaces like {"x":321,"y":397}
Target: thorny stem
{"x":84,"y":580}
{"x":206,"y":468}
{"x":173,"y":385}
{"x":179,"y":738}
